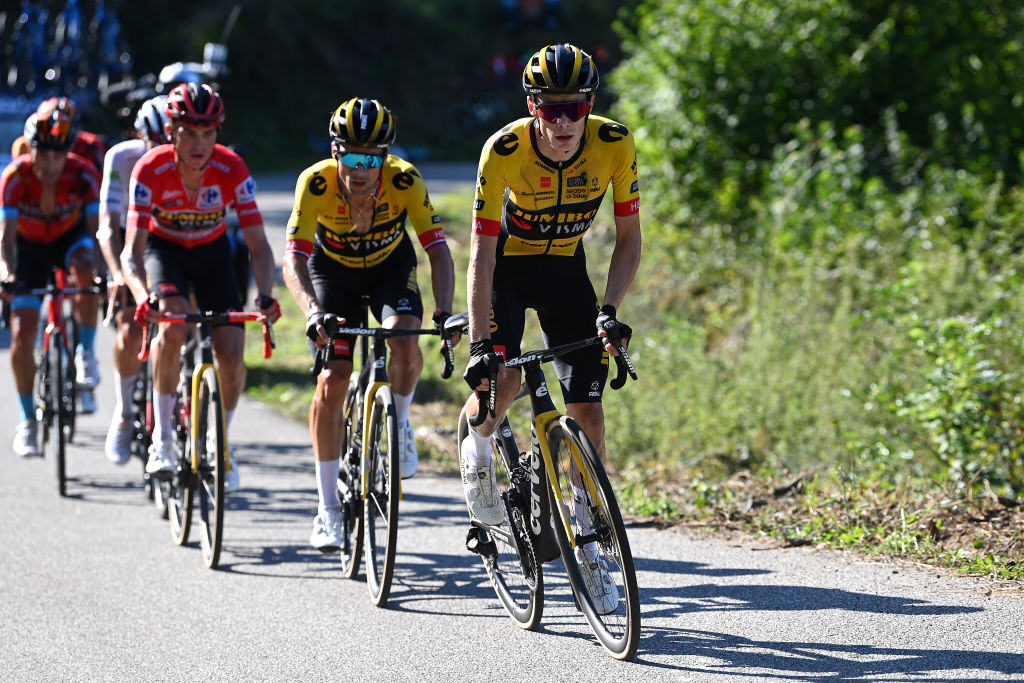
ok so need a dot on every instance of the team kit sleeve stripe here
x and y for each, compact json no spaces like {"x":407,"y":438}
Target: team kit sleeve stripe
{"x":303,"y":248}
{"x":431,"y":238}
{"x":486,"y":227}
{"x":8,"y":212}
{"x":92,"y":208}
{"x":627,"y":208}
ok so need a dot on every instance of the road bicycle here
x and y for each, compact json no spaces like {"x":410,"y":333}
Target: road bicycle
{"x":558,"y":503}
{"x":55,"y":389}
{"x":200,"y":433}
{"x":369,"y":483}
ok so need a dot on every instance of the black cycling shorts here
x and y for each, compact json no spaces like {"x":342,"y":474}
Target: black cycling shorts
{"x":391,"y":286}
{"x":208,"y":269}
{"x":34,"y":261}
{"x":559,"y":289}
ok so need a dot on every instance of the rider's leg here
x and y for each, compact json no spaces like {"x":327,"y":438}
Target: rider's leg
{"x":325,"y":428}
{"x":166,"y":358}
{"x":405,"y":365}
{"x":24,"y":322}
{"x":229,"y":349}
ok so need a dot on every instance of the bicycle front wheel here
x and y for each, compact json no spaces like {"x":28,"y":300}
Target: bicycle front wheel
{"x":592,"y":538}
{"x":211,"y":444}
{"x":57,"y":366}
{"x":179,"y":490}
{"x":380,"y":508}
{"x":350,"y":486}
{"x":507,"y":550}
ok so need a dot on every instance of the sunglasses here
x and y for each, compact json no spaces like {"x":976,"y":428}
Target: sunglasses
{"x":553,"y":112}
{"x":365,"y":161}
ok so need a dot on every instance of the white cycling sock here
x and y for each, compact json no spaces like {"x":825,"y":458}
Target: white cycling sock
{"x":476,"y":449}
{"x":402,"y":403}
{"x":163,"y":429}
{"x":327,"y":484}
{"x":228,"y":415}
{"x":123,"y":388}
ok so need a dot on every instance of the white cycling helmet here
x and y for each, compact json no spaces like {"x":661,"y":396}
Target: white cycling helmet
{"x":149,"y":122}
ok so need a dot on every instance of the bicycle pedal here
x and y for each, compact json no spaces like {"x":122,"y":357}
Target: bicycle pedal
{"x":327,"y":549}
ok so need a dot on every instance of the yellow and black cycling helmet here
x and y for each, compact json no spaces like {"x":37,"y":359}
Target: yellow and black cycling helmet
{"x":561,"y":69}
{"x":362,"y":122}
{"x":49,"y":130}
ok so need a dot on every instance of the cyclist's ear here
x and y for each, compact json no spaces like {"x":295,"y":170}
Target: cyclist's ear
{"x":531,"y":106}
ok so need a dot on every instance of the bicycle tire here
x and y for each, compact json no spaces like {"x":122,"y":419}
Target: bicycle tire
{"x":350,"y":489}
{"x":44,"y":404}
{"x":57,"y":396}
{"x":618,"y":628}
{"x":520,"y":595}
{"x":380,"y":508}
{"x":212,"y":446}
{"x":180,"y":487}
{"x":71,"y":372}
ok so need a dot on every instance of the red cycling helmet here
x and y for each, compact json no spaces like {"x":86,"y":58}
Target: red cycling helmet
{"x":65,"y":105}
{"x":195,"y":104}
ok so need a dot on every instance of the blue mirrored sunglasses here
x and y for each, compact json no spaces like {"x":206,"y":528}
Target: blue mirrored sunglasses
{"x":366,"y":161}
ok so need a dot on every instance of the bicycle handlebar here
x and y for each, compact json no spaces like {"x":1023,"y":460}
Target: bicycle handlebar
{"x":623,"y":364}
{"x":453,"y":326}
{"x":52,"y":289}
{"x":212,"y":317}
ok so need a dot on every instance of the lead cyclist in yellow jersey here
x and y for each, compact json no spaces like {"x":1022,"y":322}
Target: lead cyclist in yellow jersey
{"x":347,"y":238}
{"x":541,"y":181}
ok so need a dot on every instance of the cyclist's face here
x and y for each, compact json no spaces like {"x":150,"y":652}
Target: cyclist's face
{"x":48,"y":164}
{"x":560,"y":138}
{"x":361,"y":179}
{"x":194,"y":144}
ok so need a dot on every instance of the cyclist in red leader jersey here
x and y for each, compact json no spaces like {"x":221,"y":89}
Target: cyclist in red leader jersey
{"x":178,"y":197}
{"x":49,"y":201}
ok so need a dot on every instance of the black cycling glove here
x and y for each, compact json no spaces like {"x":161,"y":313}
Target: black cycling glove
{"x":482,"y":362}
{"x":440,"y":317}
{"x":328,"y":321}
{"x":617,"y":331}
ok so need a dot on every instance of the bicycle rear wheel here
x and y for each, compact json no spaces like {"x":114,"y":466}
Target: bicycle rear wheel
{"x":380,"y":509}
{"x":350,"y":486}
{"x":211,"y":443}
{"x":506,"y":550}
{"x":597,"y":553}
{"x":180,"y":488}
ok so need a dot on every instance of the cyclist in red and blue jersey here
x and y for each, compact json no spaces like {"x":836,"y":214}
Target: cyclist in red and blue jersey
{"x":176,"y":244}
{"x":49,"y":200}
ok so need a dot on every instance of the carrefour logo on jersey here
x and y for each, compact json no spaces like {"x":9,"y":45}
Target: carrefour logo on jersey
{"x":142,"y":194}
{"x":209,"y":197}
{"x":246,"y":192}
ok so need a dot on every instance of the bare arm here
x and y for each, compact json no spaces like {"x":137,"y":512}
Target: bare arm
{"x":110,"y":243}
{"x":7,"y":241}
{"x":262,"y":258}
{"x":296,"y":278}
{"x":133,"y":265}
{"x":625,"y":258}
{"x":442,"y":277}
{"x":480,"y":278}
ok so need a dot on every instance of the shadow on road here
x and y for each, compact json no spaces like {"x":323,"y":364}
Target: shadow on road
{"x":723,"y":654}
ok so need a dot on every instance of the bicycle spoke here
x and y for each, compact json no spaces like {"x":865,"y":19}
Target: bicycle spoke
{"x":595,"y":549}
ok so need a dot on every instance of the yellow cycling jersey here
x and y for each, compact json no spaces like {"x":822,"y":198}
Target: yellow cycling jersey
{"x":538,"y":206}
{"x":321,"y":216}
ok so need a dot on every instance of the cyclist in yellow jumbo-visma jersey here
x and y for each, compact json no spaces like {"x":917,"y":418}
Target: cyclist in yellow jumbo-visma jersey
{"x":347,"y":238}
{"x":540,"y":184}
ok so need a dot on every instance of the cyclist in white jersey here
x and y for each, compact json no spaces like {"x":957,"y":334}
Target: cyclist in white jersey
{"x":117,"y":172}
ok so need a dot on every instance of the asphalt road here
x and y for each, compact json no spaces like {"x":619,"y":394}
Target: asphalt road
{"x":93,"y":589}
